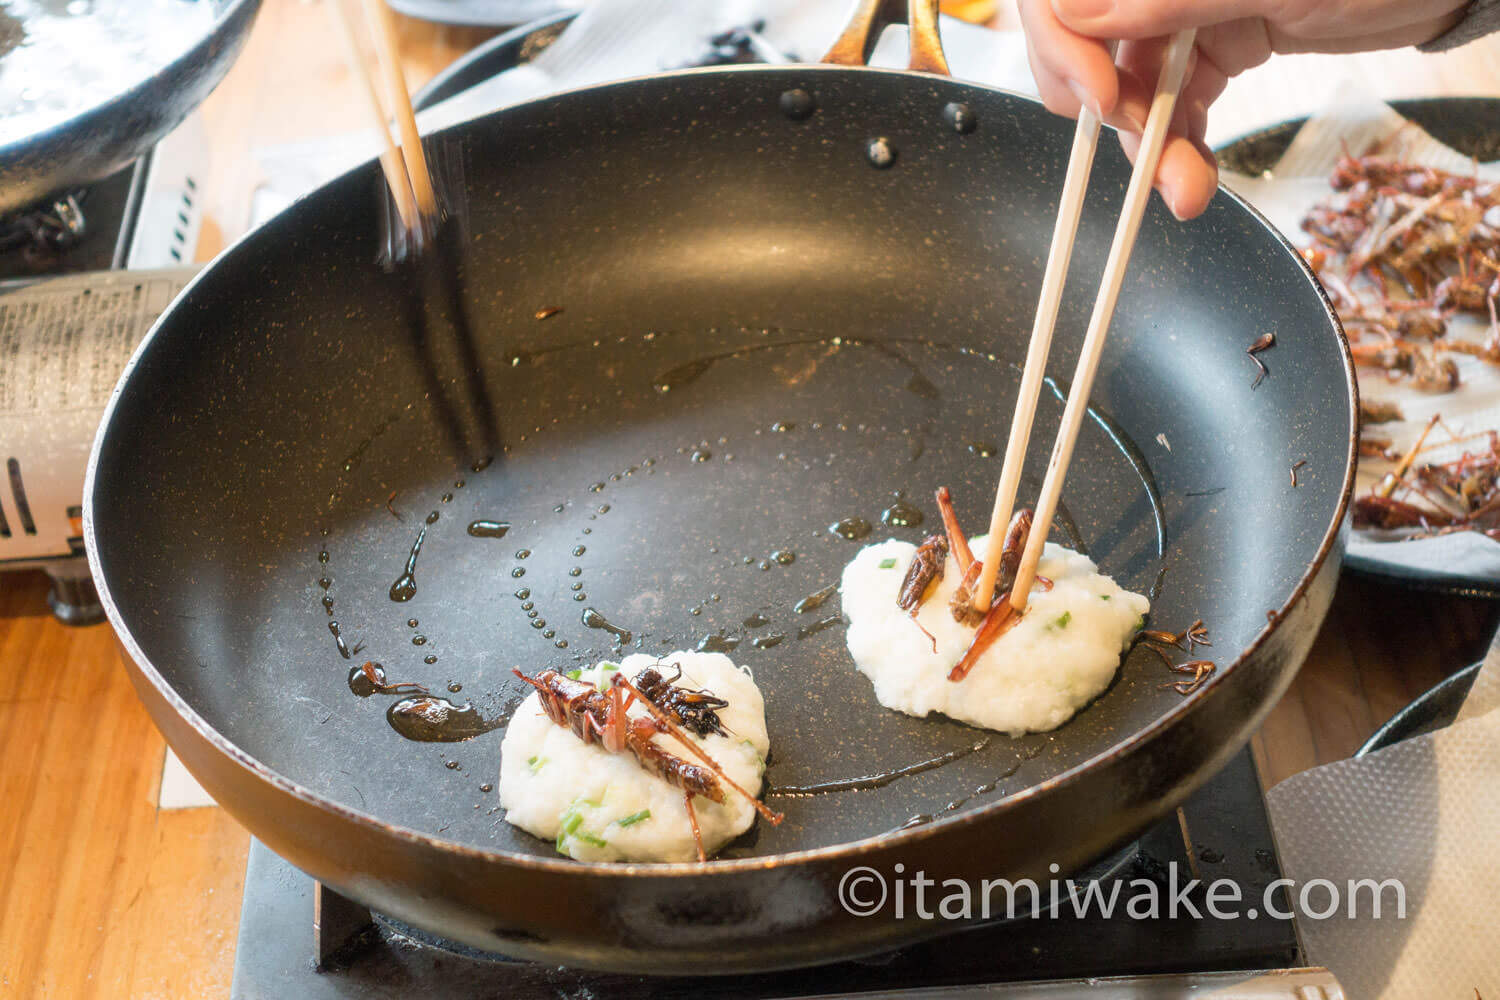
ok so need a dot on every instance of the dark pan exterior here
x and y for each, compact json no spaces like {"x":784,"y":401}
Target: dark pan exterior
{"x":695,"y":236}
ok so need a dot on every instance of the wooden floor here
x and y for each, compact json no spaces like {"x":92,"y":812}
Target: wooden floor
{"x":104,"y":897}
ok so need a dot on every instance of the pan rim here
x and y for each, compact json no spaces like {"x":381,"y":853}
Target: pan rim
{"x":850,"y":849}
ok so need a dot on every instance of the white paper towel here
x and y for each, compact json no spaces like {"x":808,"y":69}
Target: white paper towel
{"x":1284,"y":195}
{"x":1425,"y":812}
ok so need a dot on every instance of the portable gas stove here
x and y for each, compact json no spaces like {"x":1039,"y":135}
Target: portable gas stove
{"x":82,"y":276}
{"x":299,"y":939}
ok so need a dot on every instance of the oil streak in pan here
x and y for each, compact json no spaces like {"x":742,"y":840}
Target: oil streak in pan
{"x":430,"y":719}
{"x":593,"y":619}
{"x":488,"y":529}
{"x":405,"y":587}
{"x":880,"y":780}
{"x":984,"y":789}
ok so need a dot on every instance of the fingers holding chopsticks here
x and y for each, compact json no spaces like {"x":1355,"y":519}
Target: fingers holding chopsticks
{"x":1074,"y":71}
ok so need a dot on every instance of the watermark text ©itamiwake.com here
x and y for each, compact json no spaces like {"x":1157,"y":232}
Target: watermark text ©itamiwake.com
{"x":866,"y":892}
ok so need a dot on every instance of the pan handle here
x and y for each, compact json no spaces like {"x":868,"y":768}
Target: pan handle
{"x":872,"y":17}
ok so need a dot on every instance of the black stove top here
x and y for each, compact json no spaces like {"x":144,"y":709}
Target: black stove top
{"x":1222,"y":832}
{"x":38,"y":241}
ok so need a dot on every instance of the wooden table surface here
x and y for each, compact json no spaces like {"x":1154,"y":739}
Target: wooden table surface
{"x":103,"y":895}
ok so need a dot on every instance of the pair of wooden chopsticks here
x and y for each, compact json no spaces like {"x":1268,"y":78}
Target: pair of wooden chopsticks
{"x":1085,"y":142}
{"x":405,"y":166}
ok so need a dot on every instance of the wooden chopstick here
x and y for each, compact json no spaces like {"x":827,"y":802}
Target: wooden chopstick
{"x":398,"y":100}
{"x":1064,"y":232}
{"x":1137,"y":194}
{"x":391,"y":161}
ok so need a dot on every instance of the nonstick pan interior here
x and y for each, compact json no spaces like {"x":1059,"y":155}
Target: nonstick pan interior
{"x":710,"y":330}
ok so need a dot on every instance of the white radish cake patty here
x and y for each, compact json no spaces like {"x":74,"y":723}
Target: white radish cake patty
{"x":601,"y":806}
{"x":1060,"y":655}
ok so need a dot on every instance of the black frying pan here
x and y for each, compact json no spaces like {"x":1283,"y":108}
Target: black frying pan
{"x":728,"y":261}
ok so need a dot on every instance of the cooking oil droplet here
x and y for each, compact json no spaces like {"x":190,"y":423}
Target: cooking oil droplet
{"x":323,"y":556}
{"x":580,"y":596}
{"x":718,"y":642}
{"x":411,"y":623}
{"x":458,"y":485}
{"x":539,"y":623}
{"x":486,"y":788}
{"x":528,"y":606}
{"x":767,"y":641}
{"x":325,"y":583}
{"x":596,"y":488}
{"x":695,"y":612}
{"x":549,"y":633}
{"x":682,"y":375}
{"x":765,"y":564}
{"x":984,"y":449}
{"x":432,"y":518}
{"x":782,"y":426}
{"x":419,"y":640}
{"x":446,"y":497}
{"x":784,"y":557}
{"x":561,"y":644}
{"x":588,"y":531}
{"x":901,"y":515}
{"x":518,"y":572}
{"x":818,"y":626}
{"x":523,"y":593}
{"x":593,"y":619}
{"x":328,"y":604}
{"x":851,"y":528}
{"x":523,"y":553}
{"x":455,"y":687}
{"x":576,"y":586}
{"x":814,"y":601}
{"x":483,"y":463}
{"x":576,"y":571}
{"x":757,"y":620}
{"x":489,"y":529}
{"x":429,"y":658}
{"x":579,"y":550}
{"x":451,"y":765}
{"x":701,"y":455}
{"x":604,"y":508}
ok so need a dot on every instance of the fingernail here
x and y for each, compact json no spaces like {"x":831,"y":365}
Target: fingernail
{"x":1085,"y":97}
{"x":1133,"y":119}
{"x":1166,"y":199}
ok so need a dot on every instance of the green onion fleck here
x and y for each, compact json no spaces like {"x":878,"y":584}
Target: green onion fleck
{"x":536,"y":763}
{"x":1103,"y":597}
{"x":605,"y":668}
{"x":1140,"y":623}
{"x":1062,"y":622}
{"x":573,"y":675}
{"x":572,"y":821}
{"x":589,"y":838}
{"x":887,"y":564}
{"x":635,"y":818}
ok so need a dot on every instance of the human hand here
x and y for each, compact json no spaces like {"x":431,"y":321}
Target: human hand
{"x":1066,"y":43}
